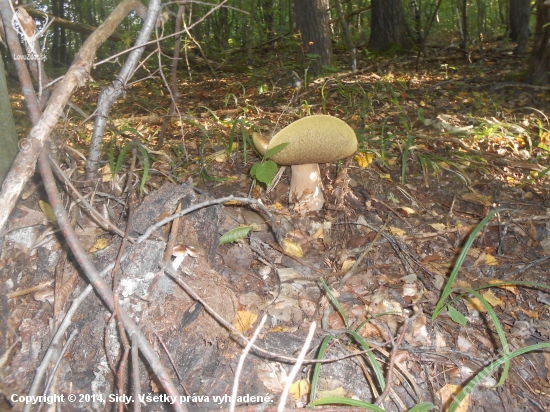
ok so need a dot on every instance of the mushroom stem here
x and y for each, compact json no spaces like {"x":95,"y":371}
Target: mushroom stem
{"x":306,"y":188}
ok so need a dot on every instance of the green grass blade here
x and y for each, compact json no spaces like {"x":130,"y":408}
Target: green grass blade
{"x":489,"y":369}
{"x":317,"y":368}
{"x":336,"y":303}
{"x":500,"y":332}
{"x":460,"y":260}
{"x":374,"y":363}
{"x":112,"y":156}
{"x":121,"y":157}
{"x":340,"y":400}
{"x":423,"y":407}
{"x":410,"y":143}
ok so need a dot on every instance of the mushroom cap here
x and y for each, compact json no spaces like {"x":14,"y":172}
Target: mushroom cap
{"x":314,"y":139}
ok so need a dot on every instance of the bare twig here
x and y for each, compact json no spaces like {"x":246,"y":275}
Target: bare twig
{"x":389,"y":379}
{"x":52,"y":374}
{"x":360,"y":259}
{"x":135,"y":374}
{"x":77,"y":75}
{"x":207,"y":203}
{"x":67,"y":320}
{"x":296,"y":367}
{"x":241,"y":363}
{"x":101,"y":220}
{"x":172,"y":273}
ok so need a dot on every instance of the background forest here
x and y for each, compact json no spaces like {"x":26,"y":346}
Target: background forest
{"x":132,"y":167}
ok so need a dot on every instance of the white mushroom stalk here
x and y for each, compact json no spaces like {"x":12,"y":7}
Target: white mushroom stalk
{"x":311,"y":140}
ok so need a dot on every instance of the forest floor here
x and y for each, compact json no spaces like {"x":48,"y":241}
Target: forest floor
{"x":440,"y":149}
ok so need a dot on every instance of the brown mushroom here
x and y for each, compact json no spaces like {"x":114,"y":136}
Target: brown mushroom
{"x":312,"y":140}
{"x":180,"y":252}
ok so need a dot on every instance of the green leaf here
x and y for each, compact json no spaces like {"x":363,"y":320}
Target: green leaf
{"x":340,"y":400}
{"x":489,"y":369}
{"x":112,"y":156}
{"x":121,"y":157}
{"x":235,"y":234}
{"x":459,"y":261}
{"x":457,"y":316}
{"x":423,"y":407}
{"x":317,"y":368}
{"x":335,"y":303}
{"x":274,"y":150}
{"x":266,"y":171}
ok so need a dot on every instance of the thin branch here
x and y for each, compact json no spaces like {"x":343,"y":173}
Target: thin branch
{"x":389,"y":379}
{"x":241,"y":363}
{"x":87,"y":205}
{"x":296,"y":367}
{"x":52,"y":374}
{"x":211,"y":202}
{"x":135,"y":373}
{"x":67,"y":320}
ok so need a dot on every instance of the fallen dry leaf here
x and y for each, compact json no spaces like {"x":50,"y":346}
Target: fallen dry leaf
{"x":293,"y":248}
{"x":492,"y":298}
{"x":299,"y":388}
{"x":244,"y":320}
{"x":448,"y":392}
{"x":99,"y":244}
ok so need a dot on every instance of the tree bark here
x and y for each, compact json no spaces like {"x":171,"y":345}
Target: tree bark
{"x":539,"y":67}
{"x":519,"y":13}
{"x":111,"y":93}
{"x":387,"y":25}
{"x":311,"y":18}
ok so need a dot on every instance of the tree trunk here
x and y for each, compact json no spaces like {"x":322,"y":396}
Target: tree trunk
{"x":8,"y":137}
{"x":539,"y":67}
{"x":519,"y":13}
{"x":463,"y":23}
{"x":387,"y":25}
{"x":312,"y":22}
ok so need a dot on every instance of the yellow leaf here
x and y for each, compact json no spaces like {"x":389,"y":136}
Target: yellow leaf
{"x":477,"y":198}
{"x":448,"y":392}
{"x":364,"y":160}
{"x":386,"y":176}
{"x":299,"y":388}
{"x":490,"y":260}
{"x":47,"y":210}
{"x":278,"y":206}
{"x":475,"y":304}
{"x":509,"y":288}
{"x":347,"y":265}
{"x":279,"y":329}
{"x":391,"y":161}
{"x":438,"y":226}
{"x":333,"y":392}
{"x":492,"y":298}
{"x":407,"y":211}
{"x":531,"y":313}
{"x":319,"y":233}
{"x":106,"y":173}
{"x":244,"y":320}
{"x":293,"y":248}
{"x":99,"y":244}
{"x":396,"y":231}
